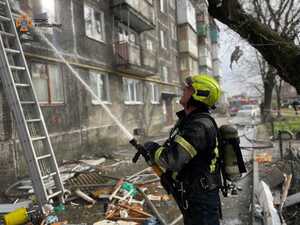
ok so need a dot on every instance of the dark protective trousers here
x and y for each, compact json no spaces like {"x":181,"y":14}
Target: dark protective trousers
{"x":199,"y":208}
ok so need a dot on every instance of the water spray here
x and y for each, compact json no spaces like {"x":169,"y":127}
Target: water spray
{"x":140,"y":149}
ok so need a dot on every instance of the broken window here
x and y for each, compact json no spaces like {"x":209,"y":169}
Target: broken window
{"x":100,"y":86}
{"x":154,"y":93}
{"x":133,"y":91}
{"x":48,"y":7}
{"x":94,"y":23}
{"x":47,"y":82}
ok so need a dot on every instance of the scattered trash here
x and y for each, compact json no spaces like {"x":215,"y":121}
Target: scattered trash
{"x":151,"y":221}
{"x":258,"y":211}
{"x":123,"y":200}
{"x":263,"y":157}
{"x":6,"y":208}
{"x":84,"y":196}
{"x":51,"y":219}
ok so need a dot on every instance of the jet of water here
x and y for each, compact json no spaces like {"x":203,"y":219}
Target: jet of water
{"x":76,"y":75}
{"x":87,"y":87}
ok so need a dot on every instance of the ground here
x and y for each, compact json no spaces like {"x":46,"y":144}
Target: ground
{"x":235,"y":207}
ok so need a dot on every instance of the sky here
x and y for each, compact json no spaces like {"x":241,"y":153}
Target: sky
{"x":244,"y":74}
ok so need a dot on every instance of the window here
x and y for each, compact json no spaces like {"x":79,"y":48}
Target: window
{"x":154,"y":94}
{"x":48,"y":83}
{"x":164,"y":73}
{"x":173,"y":31}
{"x":163,"y":5}
{"x":48,"y":6}
{"x":126,"y":35}
{"x":184,"y":64}
{"x":133,"y":91}
{"x":149,"y":45}
{"x":163,"y":39}
{"x":94,"y":23}
{"x":172,"y":4}
{"x":100,"y":86}
{"x":178,"y":95}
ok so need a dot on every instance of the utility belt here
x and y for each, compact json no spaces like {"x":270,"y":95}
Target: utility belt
{"x":181,"y":188}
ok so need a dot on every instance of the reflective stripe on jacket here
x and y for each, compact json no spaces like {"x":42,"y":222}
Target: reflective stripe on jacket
{"x":190,"y":138}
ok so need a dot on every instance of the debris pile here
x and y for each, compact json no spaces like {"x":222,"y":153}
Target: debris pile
{"x":128,"y":200}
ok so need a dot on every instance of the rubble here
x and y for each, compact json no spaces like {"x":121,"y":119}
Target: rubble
{"x":125,"y":200}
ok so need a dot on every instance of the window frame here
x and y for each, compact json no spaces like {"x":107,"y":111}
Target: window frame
{"x":155,"y":87}
{"x":49,"y":90}
{"x":149,"y":45}
{"x":174,"y":31}
{"x":162,"y":6}
{"x":164,"y":76}
{"x":106,"y":84}
{"x":173,"y":4}
{"x":163,"y":40}
{"x":85,"y":5}
{"x":134,"y":100}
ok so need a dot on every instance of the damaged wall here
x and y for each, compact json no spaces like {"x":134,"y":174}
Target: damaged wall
{"x":77,"y":127}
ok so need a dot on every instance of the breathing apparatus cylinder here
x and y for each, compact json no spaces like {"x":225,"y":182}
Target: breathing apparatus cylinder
{"x":231,"y":153}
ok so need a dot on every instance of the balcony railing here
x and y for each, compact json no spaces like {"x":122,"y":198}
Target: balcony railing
{"x":130,"y":56}
{"x":127,"y":53}
{"x":138,"y":14}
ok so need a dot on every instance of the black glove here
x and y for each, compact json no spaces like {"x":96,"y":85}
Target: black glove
{"x":167,"y":182}
{"x":150,"y":148}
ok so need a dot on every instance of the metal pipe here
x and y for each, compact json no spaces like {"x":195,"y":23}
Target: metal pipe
{"x":153,"y":208}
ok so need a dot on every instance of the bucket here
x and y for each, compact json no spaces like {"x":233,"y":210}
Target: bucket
{"x":17,"y":217}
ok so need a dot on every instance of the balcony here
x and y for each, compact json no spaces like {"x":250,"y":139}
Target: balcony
{"x":132,"y":58}
{"x":138,"y":14}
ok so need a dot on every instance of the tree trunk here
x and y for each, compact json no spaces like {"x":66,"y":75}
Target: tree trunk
{"x":278,"y":98}
{"x":267,"y":104}
{"x":281,"y":53}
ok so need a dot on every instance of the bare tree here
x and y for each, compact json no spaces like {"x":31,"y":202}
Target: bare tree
{"x":272,"y":30}
{"x":278,"y":87}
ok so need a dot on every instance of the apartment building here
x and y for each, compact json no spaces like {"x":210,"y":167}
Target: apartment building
{"x":208,"y":40}
{"x":126,"y":50}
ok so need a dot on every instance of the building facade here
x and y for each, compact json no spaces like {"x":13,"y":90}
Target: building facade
{"x":132,"y":53}
{"x":207,"y":40}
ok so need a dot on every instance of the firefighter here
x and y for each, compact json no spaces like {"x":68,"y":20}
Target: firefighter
{"x":189,"y":157}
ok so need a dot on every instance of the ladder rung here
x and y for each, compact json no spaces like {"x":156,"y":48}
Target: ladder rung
{"x":49,"y":175}
{"x":7,"y":34}
{"x":3,"y":18}
{"x":54,"y":194}
{"x":13,"y":51}
{"x":17,"y":67}
{"x":38,"y":138}
{"x":27,"y":102}
{"x":43,"y":157}
{"x":22,"y":85}
{"x":33,"y":120}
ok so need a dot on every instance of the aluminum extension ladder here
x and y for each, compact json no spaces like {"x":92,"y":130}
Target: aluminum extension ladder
{"x":30,"y":124}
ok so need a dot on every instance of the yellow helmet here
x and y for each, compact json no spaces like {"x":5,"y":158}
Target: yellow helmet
{"x":207,"y":89}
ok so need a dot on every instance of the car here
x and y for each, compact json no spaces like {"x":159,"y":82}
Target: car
{"x":247,"y":115}
{"x":253,"y":110}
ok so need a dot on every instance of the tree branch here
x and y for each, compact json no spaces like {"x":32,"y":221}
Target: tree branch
{"x":282,"y":54}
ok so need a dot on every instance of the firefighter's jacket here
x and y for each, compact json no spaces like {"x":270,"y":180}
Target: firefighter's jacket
{"x":191,"y":148}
